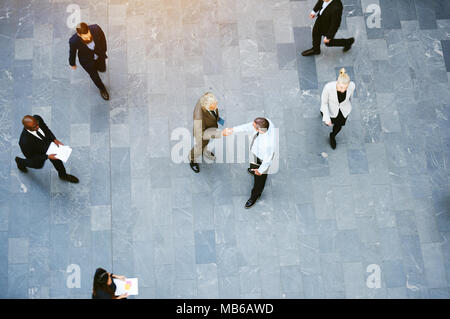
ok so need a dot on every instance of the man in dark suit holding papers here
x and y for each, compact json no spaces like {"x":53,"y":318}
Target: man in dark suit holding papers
{"x":34,"y":142}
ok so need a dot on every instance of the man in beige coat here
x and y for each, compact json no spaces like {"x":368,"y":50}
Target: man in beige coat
{"x":206,"y":117}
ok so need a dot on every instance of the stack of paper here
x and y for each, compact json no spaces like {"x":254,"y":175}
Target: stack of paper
{"x":130,"y":286}
{"x":62,"y":152}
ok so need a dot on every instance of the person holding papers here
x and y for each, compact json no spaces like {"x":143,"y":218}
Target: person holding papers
{"x":34,"y":142}
{"x":263,"y":148}
{"x":104,"y":286}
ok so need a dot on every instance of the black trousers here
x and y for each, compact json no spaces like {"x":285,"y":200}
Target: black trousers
{"x":317,"y":34}
{"x":58,"y":164}
{"x":259,"y":183}
{"x":93,"y":68}
{"x":338,"y":123}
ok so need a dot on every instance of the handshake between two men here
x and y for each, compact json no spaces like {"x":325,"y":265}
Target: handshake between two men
{"x":206,"y":120}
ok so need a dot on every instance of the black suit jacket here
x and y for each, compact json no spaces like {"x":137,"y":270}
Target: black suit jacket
{"x":34,"y":148}
{"x":86,"y":55}
{"x":330,"y":20}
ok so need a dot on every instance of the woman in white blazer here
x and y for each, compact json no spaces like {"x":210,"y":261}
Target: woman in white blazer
{"x":336,"y":103}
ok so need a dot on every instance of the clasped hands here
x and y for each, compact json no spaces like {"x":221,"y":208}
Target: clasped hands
{"x":227,"y":131}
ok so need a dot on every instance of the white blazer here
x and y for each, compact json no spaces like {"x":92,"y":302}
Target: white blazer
{"x":330,"y":104}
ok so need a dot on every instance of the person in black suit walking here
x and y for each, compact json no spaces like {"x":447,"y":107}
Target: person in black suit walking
{"x":329,"y":15}
{"x":34,"y":141}
{"x":90,"y":42}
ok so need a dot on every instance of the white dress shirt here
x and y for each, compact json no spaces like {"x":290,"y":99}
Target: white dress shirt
{"x":91,"y":45}
{"x":35,"y":134}
{"x":324,"y":5}
{"x":264,"y":144}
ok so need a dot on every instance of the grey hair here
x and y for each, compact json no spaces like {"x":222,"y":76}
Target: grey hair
{"x":207,"y":99}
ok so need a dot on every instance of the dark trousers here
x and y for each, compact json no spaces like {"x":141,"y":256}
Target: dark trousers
{"x":338,"y":123}
{"x":259,"y":183}
{"x":93,"y":68}
{"x":317,"y":38}
{"x":197,"y":150}
{"x":336,"y":129}
{"x":58,"y":164}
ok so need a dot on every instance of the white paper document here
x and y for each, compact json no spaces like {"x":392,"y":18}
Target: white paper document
{"x":129,"y":286}
{"x":62,"y":152}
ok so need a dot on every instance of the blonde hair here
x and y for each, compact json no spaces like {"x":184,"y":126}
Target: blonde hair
{"x":343,"y":77}
{"x":207,"y":99}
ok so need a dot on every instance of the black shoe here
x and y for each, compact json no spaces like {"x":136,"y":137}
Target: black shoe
{"x":20,"y":167}
{"x":251,"y":201}
{"x":310,"y":52}
{"x":104,"y":94}
{"x":332,"y":141}
{"x":69,"y":178}
{"x":195,"y":167}
{"x":348,"y":47}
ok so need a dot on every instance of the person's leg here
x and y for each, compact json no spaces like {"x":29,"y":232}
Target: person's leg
{"x":197,"y":150}
{"x":346,"y":43}
{"x":93,"y":73}
{"x":26,"y":162}
{"x":316,"y":37}
{"x":100,"y":65}
{"x":336,"y":129}
{"x":59,"y":166}
{"x":337,"y":43}
{"x":258,"y":185}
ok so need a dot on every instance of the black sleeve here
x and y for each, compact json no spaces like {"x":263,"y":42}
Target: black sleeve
{"x":334,"y":23}
{"x":318,"y":6}
{"x":44,"y":127}
{"x":72,"y":53}
{"x":102,"y":38}
{"x":28,"y":152}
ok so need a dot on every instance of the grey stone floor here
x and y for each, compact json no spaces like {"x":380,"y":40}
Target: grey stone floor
{"x":382,"y":197}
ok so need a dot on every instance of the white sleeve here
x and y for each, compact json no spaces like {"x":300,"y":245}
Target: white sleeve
{"x":244,"y":128}
{"x":324,"y":106}
{"x":265,"y":163}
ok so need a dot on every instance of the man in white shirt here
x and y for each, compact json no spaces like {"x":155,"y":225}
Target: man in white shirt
{"x":263,"y":148}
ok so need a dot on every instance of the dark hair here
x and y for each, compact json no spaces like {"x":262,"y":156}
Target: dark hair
{"x":82,"y":28}
{"x":101,"y":282}
{"x":262,"y":123}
